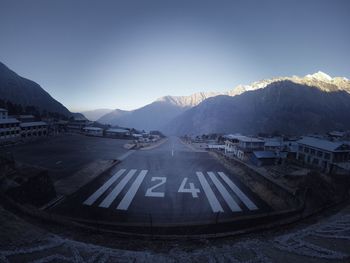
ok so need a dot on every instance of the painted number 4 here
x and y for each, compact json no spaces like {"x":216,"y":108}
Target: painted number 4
{"x":192,"y":190}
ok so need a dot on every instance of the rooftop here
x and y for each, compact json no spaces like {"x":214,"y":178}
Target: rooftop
{"x":243,"y":138}
{"x":2,"y":110}
{"x":264,"y":154}
{"x":33,"y":123}
{"x":117,"y":130}
{"x":9,"y":120}
{"x":92,"y":128}
{"x":24,"y":116}
{"x":325,"y":144}
{"x":273,"y":143}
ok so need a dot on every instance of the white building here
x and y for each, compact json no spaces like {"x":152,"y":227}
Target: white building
{"x":3,"y":114}
{"x":93,"y":131}
{"x":322,"y":153}
{"x":31,"y":130}
{"x":241,"y":146}
{"x":9,"y":128}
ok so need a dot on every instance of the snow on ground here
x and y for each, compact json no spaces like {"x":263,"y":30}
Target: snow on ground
{"x":326,"y":241}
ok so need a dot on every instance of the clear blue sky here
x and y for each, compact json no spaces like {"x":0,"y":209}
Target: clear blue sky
{"x":125,"y":54}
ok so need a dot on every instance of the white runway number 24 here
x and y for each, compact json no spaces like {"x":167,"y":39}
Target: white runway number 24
{"x":162,"y":180}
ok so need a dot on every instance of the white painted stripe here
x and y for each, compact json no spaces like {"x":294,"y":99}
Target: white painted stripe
{"x":213,"y":201}
{"x":248,"y":203}
{"x":103,"y":188}
{"x":117,"y":189}
{"x":225,"y":194}
{"x":126,"y":201}
{"x":125,"y":155}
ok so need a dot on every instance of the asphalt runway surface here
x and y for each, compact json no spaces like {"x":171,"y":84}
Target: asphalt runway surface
{"x":170,"y":185}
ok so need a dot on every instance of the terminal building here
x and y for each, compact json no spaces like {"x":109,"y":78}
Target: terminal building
{"x":35,"y":129}
{"x":9,"y":128}
{"x":22,"y":127}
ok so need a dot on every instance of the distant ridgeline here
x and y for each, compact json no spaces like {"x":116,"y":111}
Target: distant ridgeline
{"x":18,"y":109}
{"x":314,"y":103}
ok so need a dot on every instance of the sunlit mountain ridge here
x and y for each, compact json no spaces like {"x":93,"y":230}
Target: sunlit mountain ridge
{"x":161,"y":112}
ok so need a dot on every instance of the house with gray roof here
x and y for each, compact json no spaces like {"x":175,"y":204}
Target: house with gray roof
{"x":322,"y":153}
{"x":242,"y":146}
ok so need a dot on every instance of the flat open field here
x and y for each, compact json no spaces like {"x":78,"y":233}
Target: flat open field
{"x":65,"y":155}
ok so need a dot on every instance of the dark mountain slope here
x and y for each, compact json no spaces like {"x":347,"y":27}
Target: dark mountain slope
{"x":150,"y":117}
{"x":23,"y":91}
{"x":282,"y":106}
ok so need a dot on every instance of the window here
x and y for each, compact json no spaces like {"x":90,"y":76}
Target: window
{"x":327,"y":156}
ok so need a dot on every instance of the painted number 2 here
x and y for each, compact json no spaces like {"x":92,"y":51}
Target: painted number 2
{"x":150,"y":191}
{"x":192,"y":190}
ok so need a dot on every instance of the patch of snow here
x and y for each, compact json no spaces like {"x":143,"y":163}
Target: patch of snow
{"x":320,"y":76}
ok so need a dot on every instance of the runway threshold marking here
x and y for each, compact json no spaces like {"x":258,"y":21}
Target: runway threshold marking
{"x":129,"y":196}
{"x":117,"y":189}
{"x":213,"y":201}
{"x":222,"y":186}
{"x":248,"y":203}
{"x":225,"y":194}
{"x":103,"y":188}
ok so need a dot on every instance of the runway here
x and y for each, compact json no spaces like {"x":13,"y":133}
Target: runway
{"x":168,"y":185}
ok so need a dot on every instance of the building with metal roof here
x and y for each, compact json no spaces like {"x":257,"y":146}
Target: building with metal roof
{"x":242,"y":146}
{"x":322,"y":153}
{"x":93,"y":131}
{"x":262,"y":158}
{"x":34,"y":129}
{"x":117,"y":133}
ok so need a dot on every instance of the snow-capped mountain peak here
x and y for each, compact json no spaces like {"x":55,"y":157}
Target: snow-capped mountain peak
{"x":320,"y":76}
{"x":189,"y":101}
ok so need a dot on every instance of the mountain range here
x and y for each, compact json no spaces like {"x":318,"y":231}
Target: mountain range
{"x":94,"y":115}
{"x":156,"y":115}
{"x":282,"y":106}
{"x":294,"y":105}
{"x":290,"y":105}
{"x":25,"y":92}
